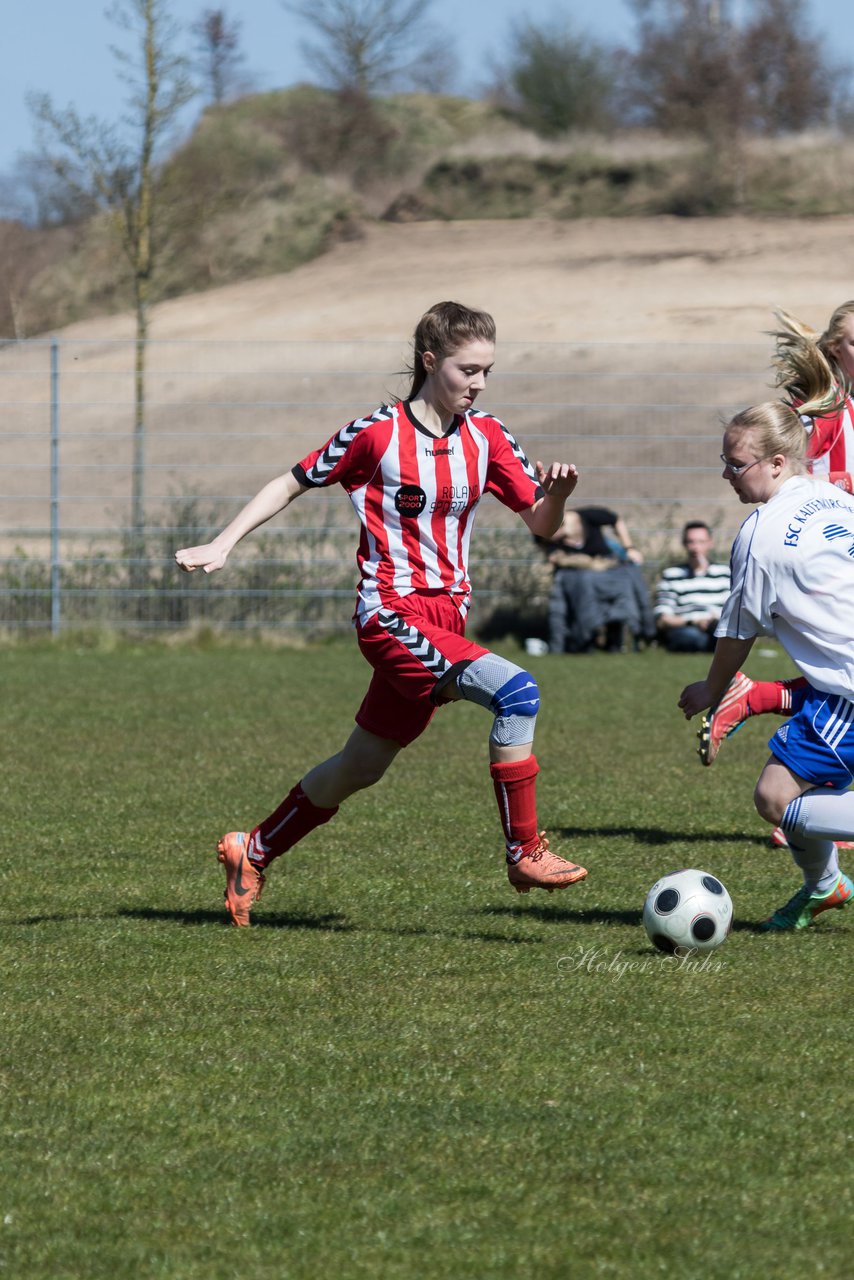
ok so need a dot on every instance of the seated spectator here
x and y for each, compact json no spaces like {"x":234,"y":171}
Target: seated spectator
{"x":598,"y":588}
{"x":689,"y":597}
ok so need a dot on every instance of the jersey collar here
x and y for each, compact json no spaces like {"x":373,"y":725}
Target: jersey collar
{"x":419,"y":426}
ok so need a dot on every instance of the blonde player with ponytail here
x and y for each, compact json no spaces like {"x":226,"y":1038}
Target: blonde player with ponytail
{"x":793,"y":578}
{"x":815,"y":372}
{"x":813,"y":367}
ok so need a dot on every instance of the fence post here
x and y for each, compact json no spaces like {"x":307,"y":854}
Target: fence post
{"x":55,"y":579}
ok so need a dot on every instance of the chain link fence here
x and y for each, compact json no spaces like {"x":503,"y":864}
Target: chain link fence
{"x":641,"y":421}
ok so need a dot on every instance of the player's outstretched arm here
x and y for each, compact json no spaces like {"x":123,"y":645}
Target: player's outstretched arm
{"x":557,"y":482}
{"x":268,"y":502}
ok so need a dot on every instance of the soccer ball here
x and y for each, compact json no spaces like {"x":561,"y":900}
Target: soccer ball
{"x":687,"y":911}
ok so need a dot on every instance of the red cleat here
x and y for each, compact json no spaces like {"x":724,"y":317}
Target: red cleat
{"x":723,"y":720}
{"x":542,"y":869}
{"x":243,"y":881}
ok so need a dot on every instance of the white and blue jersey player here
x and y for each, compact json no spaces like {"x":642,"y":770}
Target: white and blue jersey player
{"x":793,"y":578}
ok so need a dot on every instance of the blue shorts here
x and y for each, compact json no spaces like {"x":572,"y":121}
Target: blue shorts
{"x":817,"y":742}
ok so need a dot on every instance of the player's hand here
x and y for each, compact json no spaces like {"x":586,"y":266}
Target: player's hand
{"x":208,"y":557}
{"x":559,"y":479}
{"x":694,"y":698}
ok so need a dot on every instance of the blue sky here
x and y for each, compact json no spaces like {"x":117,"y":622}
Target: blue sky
{"x":62,"y":47}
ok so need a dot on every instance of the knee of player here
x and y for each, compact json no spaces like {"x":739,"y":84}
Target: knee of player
{"x":515,"y":706}
{"x":767,"y":804}
{"x":518,"y":696}
{"x":369,"y":775}
{"x":496,"y":683}
{"x":359,"y":772}
{"x":509,"y":692}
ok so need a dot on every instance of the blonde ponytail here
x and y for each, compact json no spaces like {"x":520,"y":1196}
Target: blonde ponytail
{"x":806,"y":370}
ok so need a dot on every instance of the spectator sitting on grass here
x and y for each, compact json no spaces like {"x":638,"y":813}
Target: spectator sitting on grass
{"x":689,"y":597}
{"x":598,"y":587}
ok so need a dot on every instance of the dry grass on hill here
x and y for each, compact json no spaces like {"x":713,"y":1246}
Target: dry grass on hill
{"x":663,"y":282}
{"x":277,"y":180}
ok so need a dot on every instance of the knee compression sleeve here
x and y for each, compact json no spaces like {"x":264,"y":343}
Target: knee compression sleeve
{"x":510,"y":693}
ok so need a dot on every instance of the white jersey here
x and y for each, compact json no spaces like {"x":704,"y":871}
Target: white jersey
{"x":793,"y":578}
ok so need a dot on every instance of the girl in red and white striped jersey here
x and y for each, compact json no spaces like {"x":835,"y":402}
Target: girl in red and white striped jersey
{"x":805,"y":357}
{"x":415,"y":472}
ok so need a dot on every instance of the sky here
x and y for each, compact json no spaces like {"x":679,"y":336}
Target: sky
{"x":62,"y":47}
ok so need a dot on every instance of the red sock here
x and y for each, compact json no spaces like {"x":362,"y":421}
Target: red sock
{"x":516,"y":792}
{"x":773,"y":695}
{"x":293,"y":819}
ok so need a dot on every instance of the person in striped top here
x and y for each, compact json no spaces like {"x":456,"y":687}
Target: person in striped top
{"x":689,"y":597}
{"x":415,"y":472}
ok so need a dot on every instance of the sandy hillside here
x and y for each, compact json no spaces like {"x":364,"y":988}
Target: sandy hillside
{"x":227,"y":400}
{"x":625,"y":280}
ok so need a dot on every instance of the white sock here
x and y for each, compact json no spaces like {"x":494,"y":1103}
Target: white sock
{"x":820,"y":813}
{"x":819,"y":861}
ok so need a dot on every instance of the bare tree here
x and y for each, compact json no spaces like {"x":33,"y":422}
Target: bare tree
{"x":700,"y":69}
{"x":24,"y":253}
{"x":362,"y":44}
{"x":117,"y":170}
{"x":685,"y":76}
{"x":791,"y":83}
{"x":34,"y":194}
{"x":218,"y":56}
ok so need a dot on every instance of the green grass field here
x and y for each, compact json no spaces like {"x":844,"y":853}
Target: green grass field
{"x":405,"y":1069}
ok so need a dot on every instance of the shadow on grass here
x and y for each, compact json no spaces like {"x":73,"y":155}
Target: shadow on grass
{"x":658,"y":836}
{"x":566,"y":915}
{"x":747,"y":926}
{"x":465,"y":935}
{"x":331,"y":922}
{"x":596,"y":915}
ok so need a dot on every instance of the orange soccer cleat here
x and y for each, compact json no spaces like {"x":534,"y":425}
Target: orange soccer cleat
{"x":542,"y":869}
{"x":243,"y":881}
{"x":723,"y":720}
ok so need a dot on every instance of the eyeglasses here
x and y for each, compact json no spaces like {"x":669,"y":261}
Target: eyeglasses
{"x":739,"y":471}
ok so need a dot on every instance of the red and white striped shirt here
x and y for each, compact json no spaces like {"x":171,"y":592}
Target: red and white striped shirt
{"x":830,"y":451}
{"x":416,"y":494}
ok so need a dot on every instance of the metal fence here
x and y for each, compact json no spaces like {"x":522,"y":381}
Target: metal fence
{"x":642,"y":422}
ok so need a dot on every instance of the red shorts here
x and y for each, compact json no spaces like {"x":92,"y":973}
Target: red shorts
{"x":411,"y":648}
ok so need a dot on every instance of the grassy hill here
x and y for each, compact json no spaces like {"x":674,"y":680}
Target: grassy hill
{"x":274,"y":180}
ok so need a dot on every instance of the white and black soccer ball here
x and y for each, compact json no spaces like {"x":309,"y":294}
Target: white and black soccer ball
{"x":687,"y":911}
